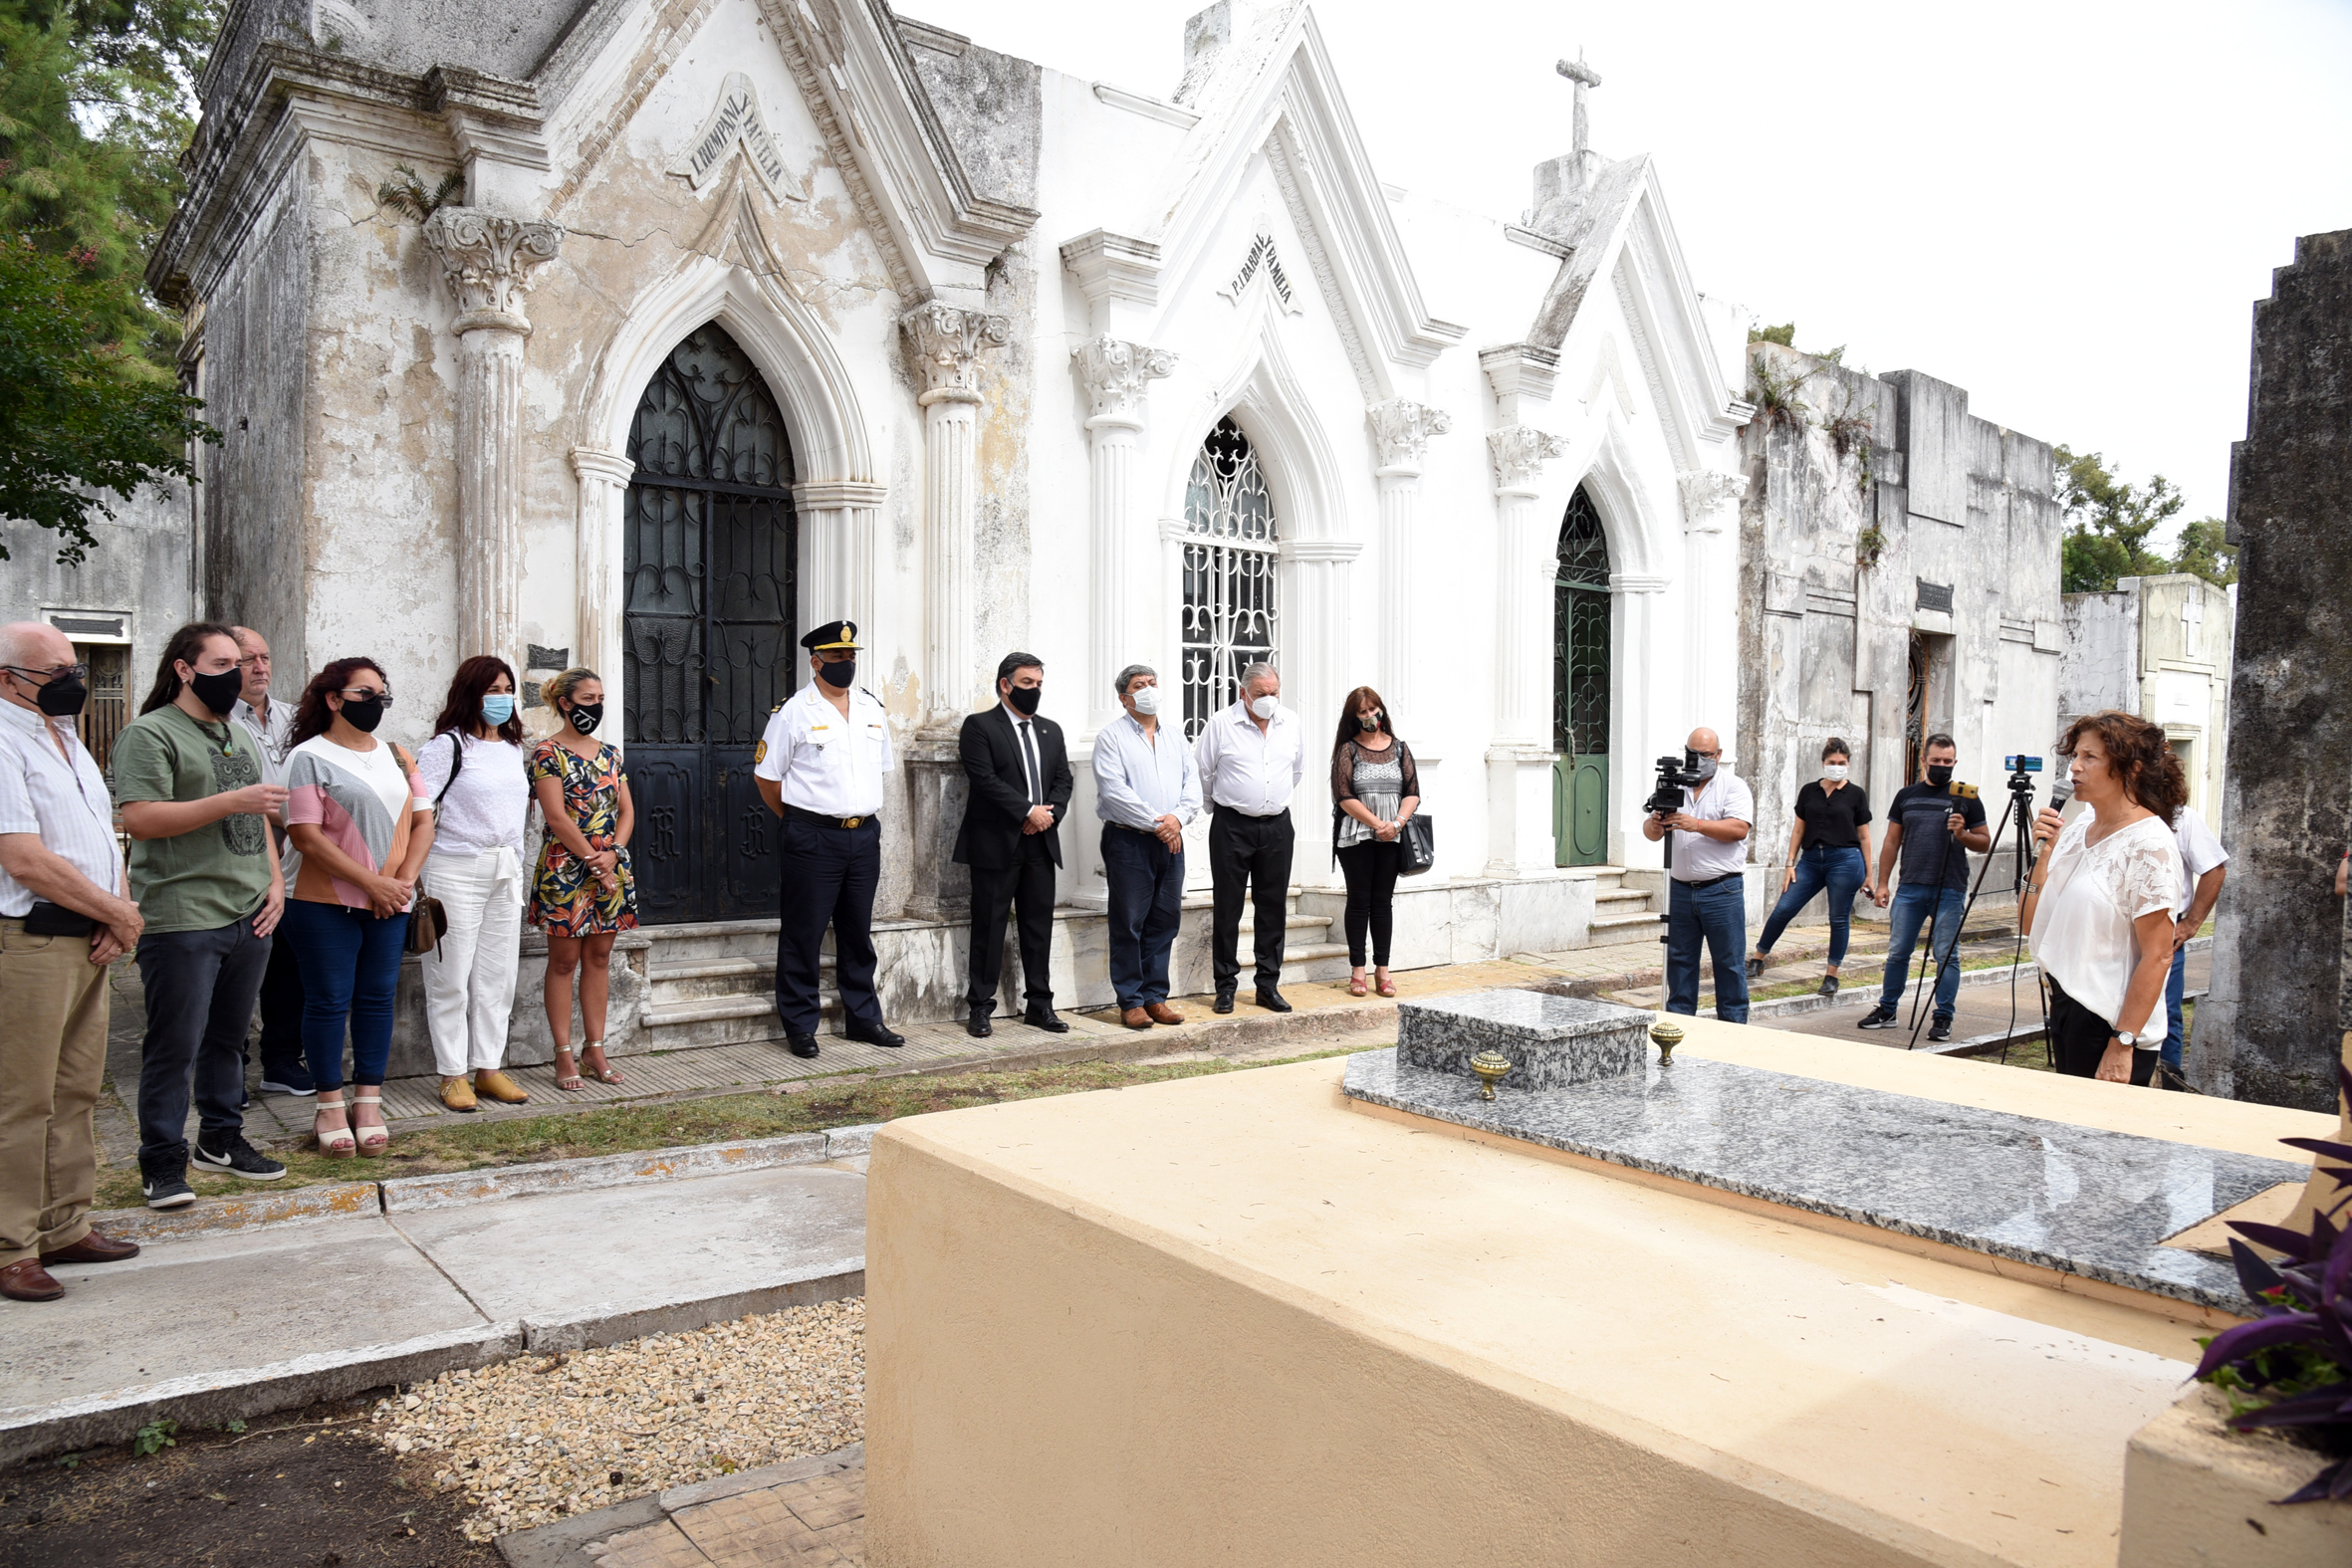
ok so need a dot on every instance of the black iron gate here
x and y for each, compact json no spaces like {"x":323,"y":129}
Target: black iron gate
{"x":712,"y":549}
{"x":1580,"y":687}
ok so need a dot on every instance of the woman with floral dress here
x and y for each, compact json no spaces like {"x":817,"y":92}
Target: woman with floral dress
{"x":582,"y":895}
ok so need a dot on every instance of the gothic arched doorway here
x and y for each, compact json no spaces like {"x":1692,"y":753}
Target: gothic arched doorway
{"x":1581,"y":680}
{"x":1232,"y":590}
{"x":711,"y":552}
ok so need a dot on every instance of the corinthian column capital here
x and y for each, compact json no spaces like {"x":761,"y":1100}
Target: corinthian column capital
{"x":1706,"y":496}
{"x":1519,"y":453}
{"x":1401,"y":430}
{"x":487,"y":261}
{"x":946,"y":343}
{"x":1117,"y":374}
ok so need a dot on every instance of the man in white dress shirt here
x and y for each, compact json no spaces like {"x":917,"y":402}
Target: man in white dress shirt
{"x":269,"y":721}
{"x":1146,"y":789}
{"x":2203,"y":866}
{"x":64,"y":916}
{"x":1251,"y":756}
{"x":1706,"y":898}
{"x":820,"y":768}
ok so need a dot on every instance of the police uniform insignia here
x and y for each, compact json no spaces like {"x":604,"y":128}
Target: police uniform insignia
{"x":759,"y":752}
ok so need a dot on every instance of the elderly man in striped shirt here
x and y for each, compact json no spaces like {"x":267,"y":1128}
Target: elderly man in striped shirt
{"x":63,"y":919}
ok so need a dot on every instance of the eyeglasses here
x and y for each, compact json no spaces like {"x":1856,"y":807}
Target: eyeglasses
{"x":363,"y":693}
{"x":76,"y":672}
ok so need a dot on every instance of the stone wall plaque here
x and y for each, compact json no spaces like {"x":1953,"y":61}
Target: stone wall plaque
{"x":1935,"y":596}
{"x":1553,"y":1041}
{"x":735,"y":122}
{"x":549,"y":658}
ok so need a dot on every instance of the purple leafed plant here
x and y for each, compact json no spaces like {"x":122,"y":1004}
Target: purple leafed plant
{"x":2294,"y":1362}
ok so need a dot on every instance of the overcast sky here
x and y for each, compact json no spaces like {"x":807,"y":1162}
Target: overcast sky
{"x":2069,"y":209}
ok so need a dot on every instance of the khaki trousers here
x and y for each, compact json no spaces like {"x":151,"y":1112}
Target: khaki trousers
{"x":52,"y":1059}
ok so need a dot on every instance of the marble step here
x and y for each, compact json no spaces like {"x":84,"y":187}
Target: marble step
{"x":702,"y":979}
{"x":1607,"y":930}
{"x":713,"y":939}
{"x":1614,"y":900}
{"x":722,"y":1020}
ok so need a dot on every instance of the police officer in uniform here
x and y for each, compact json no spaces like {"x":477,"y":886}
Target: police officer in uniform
{"x":820,"y":768}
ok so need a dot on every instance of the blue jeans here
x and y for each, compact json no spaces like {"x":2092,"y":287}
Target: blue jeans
{"x":1839,"y":870}
{"x":2173,"y":992}
{"x":1146,"y":903}
{"x":1913,"y":907}
{"x":351,"y":963}
{"x":1716,"y":915}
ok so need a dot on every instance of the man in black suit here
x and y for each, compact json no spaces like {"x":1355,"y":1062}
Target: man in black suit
{"x":1012,"y":839}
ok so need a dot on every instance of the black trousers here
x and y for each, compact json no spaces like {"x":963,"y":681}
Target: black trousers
{"x":281,"y":1013}
{"x":830,"y":876}
{"x":200,"y":987}
{"x":1246,"y":850}
{"x":2078,"y":1039}
{"x":1026,"y":887}
{"x":1370,"y":868}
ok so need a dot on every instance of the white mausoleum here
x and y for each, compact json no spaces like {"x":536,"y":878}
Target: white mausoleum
{"x":746,"y":314}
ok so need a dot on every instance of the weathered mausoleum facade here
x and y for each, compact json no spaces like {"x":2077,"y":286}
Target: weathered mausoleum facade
{"x":747,"y":315}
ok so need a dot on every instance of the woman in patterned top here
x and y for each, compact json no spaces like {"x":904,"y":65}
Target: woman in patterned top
{"x":359,"y":825}
{"x":1374,"y":789}
{"x":582,"y":895}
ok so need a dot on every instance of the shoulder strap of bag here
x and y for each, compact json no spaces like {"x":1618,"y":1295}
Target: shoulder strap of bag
{"x":456,"y":767}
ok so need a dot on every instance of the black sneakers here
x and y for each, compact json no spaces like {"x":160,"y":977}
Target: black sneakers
{"x":1940,"y":1030}
{"x":1755,"y":968}
{"x":167,"y":1188}
{"x":1828,"y":986}
{"x":234,"y":1157}
{"x":1880,"y":1017}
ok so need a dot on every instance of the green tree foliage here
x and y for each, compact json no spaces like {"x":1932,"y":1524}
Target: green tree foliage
{"x":71,"y":425}
{"x":2204,"y":551}
{"x":2108,"y":524}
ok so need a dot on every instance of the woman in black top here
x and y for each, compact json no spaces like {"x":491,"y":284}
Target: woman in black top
{"x":1829,"y":847}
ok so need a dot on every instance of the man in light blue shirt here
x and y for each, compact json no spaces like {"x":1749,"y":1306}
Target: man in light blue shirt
{"x":1146,"y":789}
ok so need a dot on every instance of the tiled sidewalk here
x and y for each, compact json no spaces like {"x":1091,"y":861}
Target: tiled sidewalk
{"x":809,"y":1514}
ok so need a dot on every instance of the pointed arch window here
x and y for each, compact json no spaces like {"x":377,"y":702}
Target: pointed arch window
{"x":1580,"y":633}
{"x":1231,"y":597}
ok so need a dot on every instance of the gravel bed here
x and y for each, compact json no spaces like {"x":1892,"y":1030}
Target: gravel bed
{"x":534,"y":1440}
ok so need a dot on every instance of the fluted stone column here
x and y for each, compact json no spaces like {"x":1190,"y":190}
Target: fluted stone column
{"x":1709,"y":503}
{"x":946,"y":343}
{"x":487,"y":262}
{"x":836,"y":518}
{"x":1518,"y":756}
{"x":1400,"y":436}
{"x":1115,"y":375}
{"x":603,"y":488}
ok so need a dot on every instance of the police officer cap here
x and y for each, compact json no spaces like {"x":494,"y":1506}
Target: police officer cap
{"x":833,"y":634}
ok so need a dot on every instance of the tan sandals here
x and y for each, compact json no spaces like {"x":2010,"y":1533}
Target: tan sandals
{"x":337,"y":1143}
{"x":599,"y":1069}
{"x":373,"y":1140}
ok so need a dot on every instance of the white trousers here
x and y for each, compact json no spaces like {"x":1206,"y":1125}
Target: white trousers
{"x":469,"y":983}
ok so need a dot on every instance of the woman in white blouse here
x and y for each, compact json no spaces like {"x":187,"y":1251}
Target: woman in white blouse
{"x":473,"y":772}
{"x":2100,"y":905}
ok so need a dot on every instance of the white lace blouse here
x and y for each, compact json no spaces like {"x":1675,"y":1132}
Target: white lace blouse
{"x":486,"y":808}
{"x":2082,"y":925}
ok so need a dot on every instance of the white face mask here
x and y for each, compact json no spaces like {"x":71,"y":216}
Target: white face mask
{"x":1266,"y":708}
{"x":1834,"y":771}
{"x":1146,"y":699}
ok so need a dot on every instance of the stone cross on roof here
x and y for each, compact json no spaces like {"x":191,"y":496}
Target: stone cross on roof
{"x":2192,"y":620}
{"x":1584,"y":77}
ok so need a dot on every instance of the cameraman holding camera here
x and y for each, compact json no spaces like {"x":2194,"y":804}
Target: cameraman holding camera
{"x":1707,"y":859}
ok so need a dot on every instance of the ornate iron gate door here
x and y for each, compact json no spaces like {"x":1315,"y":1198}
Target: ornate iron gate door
{"x":711,"y":553}
{"x":1581,"y":678}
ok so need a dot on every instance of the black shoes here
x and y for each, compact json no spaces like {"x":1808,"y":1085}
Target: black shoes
{"x":1224,"y":1001}
{"x":1045,"y":1018}
{"x":167,"y":1188}
{"x":879,"y":1036}
{"x":235,"y":1157}
{"x":978,"y":1025}
{"x":1880,"y":1017}
{"x":1272,"y":999}
{"x":1755,"y":968}
{"x":1828,"y":986}
{"x":1940,"y":1030}
{"x":801,"y":1044}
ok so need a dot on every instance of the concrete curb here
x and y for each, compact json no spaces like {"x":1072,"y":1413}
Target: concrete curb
{"x":451,"y":1189}
{"x":242,"y":1212}
{"x":213,"y":1399}
{"x":566,"y":1543}
{"x":608,"y":1324}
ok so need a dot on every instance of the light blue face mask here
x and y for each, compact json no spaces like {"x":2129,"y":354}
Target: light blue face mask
{"x":498,"y":707}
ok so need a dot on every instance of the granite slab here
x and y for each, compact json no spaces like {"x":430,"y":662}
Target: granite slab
{"x":1553,"y":1041}
{"x":2077,"y":1199}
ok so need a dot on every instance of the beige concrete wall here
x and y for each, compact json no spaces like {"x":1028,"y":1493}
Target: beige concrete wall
{"x":1228,"y":1320}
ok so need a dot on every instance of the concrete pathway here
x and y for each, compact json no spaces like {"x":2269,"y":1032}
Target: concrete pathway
{"x":806,"y":1513}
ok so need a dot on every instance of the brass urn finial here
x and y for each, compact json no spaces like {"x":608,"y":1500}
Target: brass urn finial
{"x":1490,"y":1065}
{"x":1668,"y":1035}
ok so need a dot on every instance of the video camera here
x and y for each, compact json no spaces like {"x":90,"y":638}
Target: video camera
{"x":1675,"y":775}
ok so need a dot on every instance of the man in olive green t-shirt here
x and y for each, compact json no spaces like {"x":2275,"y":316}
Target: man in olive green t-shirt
{"x":204,"y":872}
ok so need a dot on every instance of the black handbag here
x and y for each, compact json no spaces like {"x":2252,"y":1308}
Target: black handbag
{"x":1418,"y":838}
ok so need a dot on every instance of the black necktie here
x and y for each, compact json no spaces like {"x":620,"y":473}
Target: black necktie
{"x":1028,"y":752}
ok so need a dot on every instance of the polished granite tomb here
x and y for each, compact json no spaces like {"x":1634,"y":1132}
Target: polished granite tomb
{"x":2077,"y":1199}
{"x":1551,"y":1042}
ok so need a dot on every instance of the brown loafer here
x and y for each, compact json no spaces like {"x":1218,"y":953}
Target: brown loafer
{"x":26,"y":1281}
{"x":94,"y":1247}
{"x":1161,"y":1012}
{"x":1135,"y":1018}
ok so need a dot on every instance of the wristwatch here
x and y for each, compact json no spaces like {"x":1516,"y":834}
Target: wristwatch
{"x":2127,"y":1037}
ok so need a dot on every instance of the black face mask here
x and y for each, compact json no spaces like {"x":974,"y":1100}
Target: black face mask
{"x":839,"y":674}
{"x":1024,"y":697}
{"x":586,"y":716}
{"x":364,"y":714}
{"x":1939,"y":774}
{"x":219,"y":693}
{"x":63,"y":697}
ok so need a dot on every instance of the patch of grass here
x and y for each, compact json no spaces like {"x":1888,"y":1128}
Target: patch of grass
{"x":619,"y":1129}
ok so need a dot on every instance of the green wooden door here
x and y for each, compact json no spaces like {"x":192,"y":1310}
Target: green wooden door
{"x":1580,"y":685}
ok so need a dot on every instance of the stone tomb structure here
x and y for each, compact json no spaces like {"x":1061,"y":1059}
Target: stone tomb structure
{"x":738,"y":316}
{"x":2158,"y":647}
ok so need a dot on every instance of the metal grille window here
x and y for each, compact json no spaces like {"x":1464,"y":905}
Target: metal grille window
{"x":1580,"y":633}
{"x":1232,"y":592}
